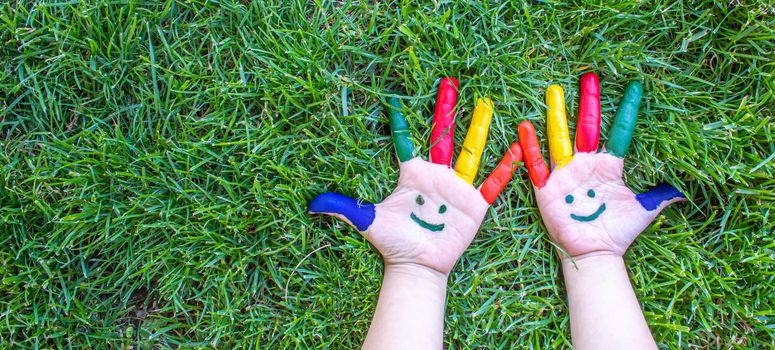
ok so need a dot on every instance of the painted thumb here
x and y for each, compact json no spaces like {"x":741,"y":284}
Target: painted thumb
{"x":358,"y":214}
{"x":659,"y":197}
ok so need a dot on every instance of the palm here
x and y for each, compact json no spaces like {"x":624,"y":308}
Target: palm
{"x":434,"y":212}
{"x":430,"y":218}
{"x":584,"y":202}
{"x":587,"y":207}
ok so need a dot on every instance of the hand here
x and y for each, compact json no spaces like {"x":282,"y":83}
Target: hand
{"x":434,"y":212}
{"x":585,"y":205}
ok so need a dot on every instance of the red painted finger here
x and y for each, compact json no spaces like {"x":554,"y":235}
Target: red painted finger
{"x":534,"y":162}
{"x":500,"y":177}
{"x":443,"y":132}
{"x":588,"y":128}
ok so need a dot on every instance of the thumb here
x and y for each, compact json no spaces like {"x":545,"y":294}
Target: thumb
{"x":356,"y":213}
{"x":659,"y":197}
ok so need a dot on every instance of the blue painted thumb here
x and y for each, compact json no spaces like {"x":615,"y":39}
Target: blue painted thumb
{"x":356,"y":213}
{"x":659,"y":197}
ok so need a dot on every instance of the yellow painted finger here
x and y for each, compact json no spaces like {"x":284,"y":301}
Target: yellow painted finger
{"x":560,"y":150}
{"x":468,"y":161}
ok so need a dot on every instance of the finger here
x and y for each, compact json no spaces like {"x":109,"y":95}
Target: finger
{"x":473,"y":146}
{"x":534,"y":162}
{"x":560,"y":151}
{"x":443,"y":132}
{"x":400,"y":129}
{"x":624,"y":123}
{"x":496,"y":182}
{"x":358,"y":214}
{"x":588,"y":127}
{"x":659,"y":197}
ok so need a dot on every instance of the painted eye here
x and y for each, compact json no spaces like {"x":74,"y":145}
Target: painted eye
{"x":420,"y":200}
{"x":442,"y":209}
{"x":591,"y":193}
{"x":569,"y":199}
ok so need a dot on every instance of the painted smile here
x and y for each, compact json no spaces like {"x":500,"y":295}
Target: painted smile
{"x":426,"y":225}
{"x":590,"y":217}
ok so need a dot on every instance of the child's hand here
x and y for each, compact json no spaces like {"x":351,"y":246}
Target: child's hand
{"x":585,"y":205}
{"x":434,"y":212}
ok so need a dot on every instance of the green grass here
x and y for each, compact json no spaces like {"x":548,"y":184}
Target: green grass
{"x":157,"y":159}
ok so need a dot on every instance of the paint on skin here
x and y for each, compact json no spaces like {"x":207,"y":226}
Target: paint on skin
{"x":653,"y":198}
{"x":400,"y":129}
{"x":496,"y":182}
{"x":588,"y":126}
{"x":467,"y":162}
{"x":624,"y":122}
{"x":590,"y":217}
{"x":424,"y":224}
{"x":443,"y":132}
{"x":560,"y":149}
{"x":359,"y":213}
{"x":534,"y":162}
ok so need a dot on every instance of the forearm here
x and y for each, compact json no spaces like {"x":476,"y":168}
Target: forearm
{"x":410,"y":310}
{"x":604,"y":310}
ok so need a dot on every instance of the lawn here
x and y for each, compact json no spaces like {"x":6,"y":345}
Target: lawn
{"x":157,"y":158}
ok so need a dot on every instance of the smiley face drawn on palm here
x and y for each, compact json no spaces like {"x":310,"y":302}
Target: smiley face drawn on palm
{"x":434,"y":212}
{"x":420,"y":200}
{"x":587,"y":207}
{"x":584,"y":202}
{"x":429,"y":219}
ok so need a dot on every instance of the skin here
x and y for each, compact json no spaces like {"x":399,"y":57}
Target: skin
{"x":418,"y":260}
{"x":614,"y":229}
{"x":421,"y":230}
{"x":593,"y":217}
{"x":402,"y":240}
{"x":424,"y":224}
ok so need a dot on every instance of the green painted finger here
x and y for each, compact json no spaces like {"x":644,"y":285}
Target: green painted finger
{"x":624,"y":123}
{"x":400,"y":129}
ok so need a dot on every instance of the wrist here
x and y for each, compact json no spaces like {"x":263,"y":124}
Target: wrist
{"x":416,"y":273}
{"x":593,"y":261}
{"x":410,"y":310}
{"x":596,"y":257}
{"x":596,"y":272}
{"x":604,"y":311}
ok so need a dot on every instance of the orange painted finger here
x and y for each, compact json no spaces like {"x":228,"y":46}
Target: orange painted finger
{"x":500,"y":177}
{"x":534,"y":162}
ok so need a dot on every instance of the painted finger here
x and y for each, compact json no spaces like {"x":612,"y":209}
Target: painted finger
{"x":534,"y":162}
{"x":473,"y":146}
{"x":358,"y":214}
{"x":400,"y":129}
{"x":560,"y":150}
{"x":659,"y":197}
{"x":588,"y":126}
{"x":624,"y":123}
{"x":500,"y":177}
{"x":443,"y":132}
